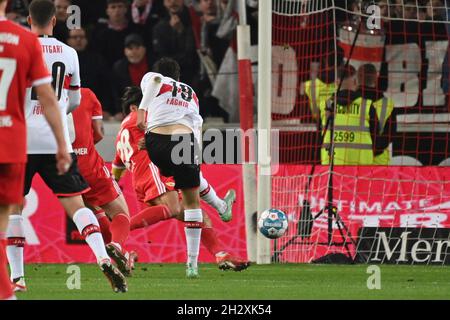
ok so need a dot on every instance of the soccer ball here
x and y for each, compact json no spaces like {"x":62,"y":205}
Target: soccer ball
{"x":273,"y":223}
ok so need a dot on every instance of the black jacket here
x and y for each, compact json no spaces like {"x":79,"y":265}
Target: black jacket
{"x":110,"y":43}
{"x":122,"y":79}
{"x":167,"y":42}
{"x":96,"y":76}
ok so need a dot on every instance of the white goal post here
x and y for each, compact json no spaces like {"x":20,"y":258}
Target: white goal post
{"x":403,"y":200}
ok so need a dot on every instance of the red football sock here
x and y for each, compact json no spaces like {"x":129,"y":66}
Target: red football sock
{"x":5,"y":284}
{"x":210,"y":240}
{"x":120,"y":228}
{"x":150,"y":216}
{"x":104,"y":223}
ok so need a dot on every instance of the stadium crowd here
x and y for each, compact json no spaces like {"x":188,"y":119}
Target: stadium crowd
{"x":120,"y":40}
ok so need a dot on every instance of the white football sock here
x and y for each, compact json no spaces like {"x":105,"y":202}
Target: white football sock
{"x":209,"y":195}
{"x":14,"y":250}
{"x":193,"y":219}
{"x":88,"y":226}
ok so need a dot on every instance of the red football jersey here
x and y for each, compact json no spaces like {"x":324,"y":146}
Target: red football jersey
{"x":127,"y":151}
{"x":84,"y":147}
{"x":147,"y":181}
{"x":21,"y":65}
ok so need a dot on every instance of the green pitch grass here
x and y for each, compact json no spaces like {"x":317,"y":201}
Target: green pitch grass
{"x":155,"y":281}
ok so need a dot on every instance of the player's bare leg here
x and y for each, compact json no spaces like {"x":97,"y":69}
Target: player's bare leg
{"x":117,"y":211}
{"x":89,"y":228}
{"x":15,"y":247}
{"x":6,"y":291}
{"x":223,"y":206}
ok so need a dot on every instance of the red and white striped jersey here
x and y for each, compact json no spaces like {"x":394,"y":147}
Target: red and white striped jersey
{"x":174,"y":103}
{"x":62,"y":62}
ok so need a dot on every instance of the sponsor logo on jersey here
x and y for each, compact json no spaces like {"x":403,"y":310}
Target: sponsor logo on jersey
{"x":52,"y":49}
{"x":6,"y":121}
{"x":37,"y":110}
{"x":81,"y":151}
{"x":9,"y":38}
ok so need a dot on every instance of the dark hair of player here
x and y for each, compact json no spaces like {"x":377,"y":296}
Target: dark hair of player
{"x":168,"y":67}
{"x":42,"y":12}
{"x":132,"y":95}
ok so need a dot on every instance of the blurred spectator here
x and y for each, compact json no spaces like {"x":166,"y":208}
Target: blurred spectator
{"x":406,"y":9}
{"x":226,"y":85}
{"x":229,"y":19}
{"x":398,"y":8}
{"x":422,"y":10}
{"x":147,"y":13}
{"x":384,"y":8}
{"x":93,"y":71}
{"x":210,"y":43}
{"x":109,"y":37}
{"x":173,"y":37}
{"x":211,"y":50}
{"x":436,"y":10}
{"x":91,"y":10}
{"x":130,"y":70}
{"x":388,"y":9}
{"x":17,"y":11}
{"x":410,"y":9}
{"x":60,"y":31}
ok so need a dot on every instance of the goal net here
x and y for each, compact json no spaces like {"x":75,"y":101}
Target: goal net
{"x":368,"y":180}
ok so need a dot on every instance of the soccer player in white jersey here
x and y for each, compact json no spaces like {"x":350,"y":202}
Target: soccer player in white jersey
{"x":169,"y":113}
{"x":62,"y":61}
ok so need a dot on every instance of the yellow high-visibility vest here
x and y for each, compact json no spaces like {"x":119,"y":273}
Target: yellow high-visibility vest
{"x":352,"y":139}
{"x":384,"y":108}
{"x":318,"y":91}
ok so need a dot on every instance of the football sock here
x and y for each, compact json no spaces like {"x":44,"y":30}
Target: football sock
{"x":89,"y":228}
{"x":193,"y":228}
{"x":120,"y":228}
{"x":210,"y":241}
{"x":6,"y":291}
{"x":209,"y":195}
{"x":15,"y":244}
{"x":104,"y":223}
{"x":150,"y":216}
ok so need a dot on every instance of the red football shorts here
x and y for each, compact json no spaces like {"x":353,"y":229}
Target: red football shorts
{"x":104,"y":189}
{"x":12,"y":178}
{"x":152,"y":185}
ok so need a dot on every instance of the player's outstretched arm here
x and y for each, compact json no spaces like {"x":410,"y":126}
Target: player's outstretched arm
{"x":150,"y":91}
{"x":99,"y":131}
{"x":141,"y":121}
{"x":52,"y":114}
